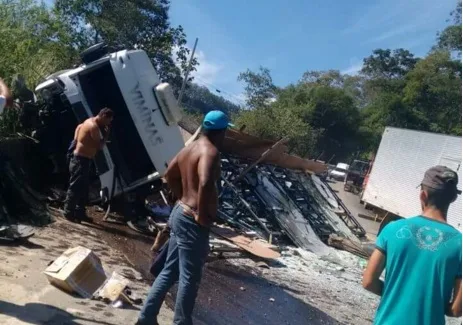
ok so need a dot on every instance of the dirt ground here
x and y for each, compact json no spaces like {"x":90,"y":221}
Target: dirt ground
{"x":221,"y":298}
{"x":299,"y":288}
{"x":26,"y":297}
{"x":352,"y":201}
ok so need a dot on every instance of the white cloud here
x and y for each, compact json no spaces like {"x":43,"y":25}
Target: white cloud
{"x":354,"y":68}
{"x":387,"y":19}
{"x":218,"y":78}
{"x":394,"y":32}
{"x":378,"y":13}
{"x":240,"y":99}
{"x":206,"y":72}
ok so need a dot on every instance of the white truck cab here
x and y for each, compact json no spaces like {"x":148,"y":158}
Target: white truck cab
{"x":144,"y":135}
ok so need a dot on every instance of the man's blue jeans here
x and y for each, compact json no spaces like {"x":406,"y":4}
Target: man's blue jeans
{"x":187,"y":252}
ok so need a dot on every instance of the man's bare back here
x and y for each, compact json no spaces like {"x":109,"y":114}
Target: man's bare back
{"x":88,"y":139}
{"x":192,"y":175}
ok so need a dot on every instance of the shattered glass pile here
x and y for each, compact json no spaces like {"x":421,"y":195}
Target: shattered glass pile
{"x":284,"y":207}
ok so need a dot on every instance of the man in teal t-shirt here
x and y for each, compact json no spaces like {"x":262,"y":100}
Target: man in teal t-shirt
{"x":422,"y":258}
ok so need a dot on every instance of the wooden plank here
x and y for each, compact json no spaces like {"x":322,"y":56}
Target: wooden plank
{"x":253,"y":246}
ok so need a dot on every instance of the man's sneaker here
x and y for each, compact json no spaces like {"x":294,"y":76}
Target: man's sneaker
{"x":85,"y":218}
{"x":69,"y":217}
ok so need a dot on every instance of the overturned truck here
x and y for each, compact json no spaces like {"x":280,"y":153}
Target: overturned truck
{"x":281,"y":201}
{"x":145,"y":135}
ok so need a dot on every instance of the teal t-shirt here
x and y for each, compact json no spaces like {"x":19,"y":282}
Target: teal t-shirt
{"x":423,"y":259}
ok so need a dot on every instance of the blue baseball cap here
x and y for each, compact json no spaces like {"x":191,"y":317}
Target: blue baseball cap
{"x":216,"y":120}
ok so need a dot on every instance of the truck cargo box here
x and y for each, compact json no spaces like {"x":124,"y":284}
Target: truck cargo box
{"x":402,"y":159}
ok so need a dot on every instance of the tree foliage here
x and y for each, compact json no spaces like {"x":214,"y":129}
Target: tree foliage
{"x":199,"y":99}
{"x":388,"y":64}
{"x":259,"y":87}
{"x":34,"y":41}
{"x":335,"y":114}
{"x":325,"y":112}
{"x":433,"y":88}
{"x":39,"y":40}
{"x":141,"y":24}
{"x":450,"y":38}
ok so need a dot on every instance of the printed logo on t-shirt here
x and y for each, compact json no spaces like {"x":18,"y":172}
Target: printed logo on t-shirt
{"x":424,"y":237}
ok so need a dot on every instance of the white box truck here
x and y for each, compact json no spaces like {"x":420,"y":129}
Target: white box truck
{"x":403,"y":157}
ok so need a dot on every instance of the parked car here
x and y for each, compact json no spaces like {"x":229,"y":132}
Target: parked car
{"x":340,"y":172}
{"x":355,"y":176}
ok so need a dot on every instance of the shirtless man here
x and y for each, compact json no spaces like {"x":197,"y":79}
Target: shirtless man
{"x":87,"y":142}
{"x":6,"y":100}
{"x":192,"y":176}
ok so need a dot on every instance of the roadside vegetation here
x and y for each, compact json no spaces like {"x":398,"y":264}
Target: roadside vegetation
{"x":325,"y":113}
{"x":328,"y":113}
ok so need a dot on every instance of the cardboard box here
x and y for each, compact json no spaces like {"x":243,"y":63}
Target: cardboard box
{"x":77,"y":270}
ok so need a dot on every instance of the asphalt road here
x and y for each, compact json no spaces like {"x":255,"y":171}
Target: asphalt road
{"x":352,"y":202}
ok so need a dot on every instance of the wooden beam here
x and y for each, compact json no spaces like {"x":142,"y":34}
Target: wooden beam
{"x":262,"y":157}
{"x":194,"y":136}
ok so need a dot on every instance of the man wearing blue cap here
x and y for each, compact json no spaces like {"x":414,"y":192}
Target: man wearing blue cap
{"x":192,"y":176}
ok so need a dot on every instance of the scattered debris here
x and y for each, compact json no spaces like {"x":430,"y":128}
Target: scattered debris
{"x":117,"y":304}
{"x":16,"y":232}
{"x":113,"y":289}
{"x":254,"y":246}
{"x":348,"y":245}
{"x":262,"y":265}
{"x":77,"y":270}
{"x":99,"y":209}
{"x":20,"y":204}
{"x":278,"y":204}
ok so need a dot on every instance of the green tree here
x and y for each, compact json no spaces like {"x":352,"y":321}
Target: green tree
{"x":388,"y":109}
{"x":384,"y":72}
{"x":332,"y":78}
{"x":200,"y":99}
{"x":34,"y":40}
{"x":433,"y":88}
{"x":352,"y":85}
{"x":315,"y":117}
{"x":141,"y":24}
{"x":35,"y":44}
{"x":450,"y":38}
{"x":259,"y":87}
{"x":275,"y":122}
{"x":388,"y":64}
{"x":334,"y":115}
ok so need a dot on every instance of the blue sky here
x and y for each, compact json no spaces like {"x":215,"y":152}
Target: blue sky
{"x":293,"y":36}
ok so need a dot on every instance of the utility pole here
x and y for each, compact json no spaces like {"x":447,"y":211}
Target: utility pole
{"x":187,"y":72}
